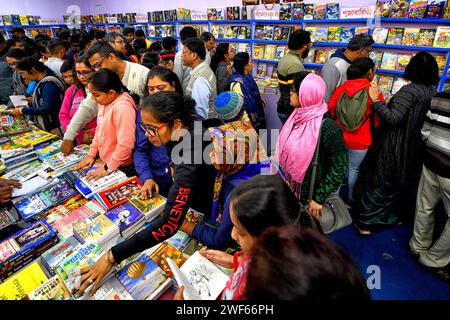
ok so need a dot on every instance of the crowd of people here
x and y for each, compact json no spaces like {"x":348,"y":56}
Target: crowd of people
{"x":143,"y":108}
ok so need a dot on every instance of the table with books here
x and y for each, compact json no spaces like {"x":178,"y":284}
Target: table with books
{"x":58,"y":222}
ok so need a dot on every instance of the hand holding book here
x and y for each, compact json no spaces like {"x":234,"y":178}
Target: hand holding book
{"x":147,"y":189}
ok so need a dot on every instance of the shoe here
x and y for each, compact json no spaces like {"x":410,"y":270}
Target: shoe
{"x":362,"y":230}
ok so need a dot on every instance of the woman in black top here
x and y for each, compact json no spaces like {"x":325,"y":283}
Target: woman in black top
{"x":168,"y":119}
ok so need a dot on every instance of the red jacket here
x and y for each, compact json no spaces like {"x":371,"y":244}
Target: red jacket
{"x":360,"y":139}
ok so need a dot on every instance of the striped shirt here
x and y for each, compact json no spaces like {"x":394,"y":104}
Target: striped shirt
{"x":436,"y":133}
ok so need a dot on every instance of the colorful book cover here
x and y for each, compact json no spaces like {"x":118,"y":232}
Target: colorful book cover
{"x":382,"y":8}
{"x":52,"y":257}
{"x":411,"y":37}
{"x":262,"y":69}
{"x":15,"y":19}
{"x":229,"y":13}
{"x":395,"y":36}
{"x":25,"y":172}
{"x":312,"y":31}
{"x":398,"y":84}
{"x":212,"y":14}
{"x":164,"y":251}
{"x":179,"y":240}
{"x":321,"y":34}
{"x":85,"y":256}
{"x":145,"y":206}
{"x":402,"y":61}
{"x":117,"y":194}
{"x":259,"y":32}
{"x":124,"y":216}
{"x":321,"y":56}
{"x":12,"y":125}
{"x":385,"y":84}
{"x":48,"y":150}
{"x":435,"y":9}
{"x":297,"y":11}
{"x":380,"y":35}
{"x":285,"y":11}
{"x":399,"y":9}
{"x":334,"y":34}
{"x":417,"y":9}
{"x":53,"y":289}
{"x":64,"y":225}
{"x":7,"y":20}
{"x":426,"y":37}
{"x":389,"y":61}
{"x":332,"y":11}
{"x":34,"y":138}
{"x":23,"y":282}
{"x":320,"y":11}
{"x":377,"y":58}
{"x":64,"y":208}
{"x":112,"y":289}
{"x":277,"y":33}
{"x":268,"y":32}
{"x":88,"y":188}
{"x":6,"y":219}
{"x":141,"y":277}
{"x":446,"y":14}
{"x":442,"y":38}
{"x":59,"y":160}
{"x":311,"y":56}
{"x":96,"y":228}
{"x":269,"y":51}
{"x":285,"y":31}
{"x":360,"y":30}
{"x":308,"y":10}
{"x":279,"y":53}
{"x":258,"y":52}
{"x":441,"y":60}
{"x":220,"y":13}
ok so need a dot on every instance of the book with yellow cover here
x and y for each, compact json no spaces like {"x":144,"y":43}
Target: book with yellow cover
{"x":34,"y":138}
{"x":95,"y":229}
{"x":269,"y":52}
{"x":23,"y":282}
{"x":53,"y":289}
{"x":258,"y":52}
{"x":164,"y":251}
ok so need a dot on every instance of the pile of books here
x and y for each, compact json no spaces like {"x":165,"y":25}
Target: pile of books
{"x":150,"y":208}
{"x":58,"y":161}
{"x":14,"y":155}
{"x":25,"y":246}
{"x":118,"y":193}
{"x":25,"y":172}
{"x":97,"y":228}
{"x":90,"y":188}
{"x":422,"y":37}
{"x":127,"y":218}
{"x":11,"y":125}
{"x":33,"y":138}
{"x":230,"y":32}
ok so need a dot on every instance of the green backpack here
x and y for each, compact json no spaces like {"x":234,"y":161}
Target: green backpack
{"x":350,"y":111}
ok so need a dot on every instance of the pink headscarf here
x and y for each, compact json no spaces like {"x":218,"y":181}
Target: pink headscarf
{"x":298,"y":137}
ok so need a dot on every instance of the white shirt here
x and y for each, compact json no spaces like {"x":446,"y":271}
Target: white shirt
{"x":201,"y":91}
{"x":55,"y":65}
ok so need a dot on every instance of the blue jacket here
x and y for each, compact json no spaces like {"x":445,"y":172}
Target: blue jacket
{"x":220,"y":236}
{"x":151,"y":162}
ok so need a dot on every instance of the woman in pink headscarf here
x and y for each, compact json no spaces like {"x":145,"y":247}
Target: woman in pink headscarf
{"x":298,"y":140}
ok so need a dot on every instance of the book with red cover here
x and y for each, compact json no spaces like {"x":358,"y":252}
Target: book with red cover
{"x":117,"y":194}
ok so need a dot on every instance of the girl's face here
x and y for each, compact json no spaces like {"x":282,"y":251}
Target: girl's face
{"x":82,"y":71}
{"x":155,"y":85}
{"x":103,"y":98}
{"x":240,"y":234}
{"x":157,"y":132}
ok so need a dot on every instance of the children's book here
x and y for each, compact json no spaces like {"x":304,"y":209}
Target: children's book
{"x":382,"y":8}
{"x":53,"y":289}
{"x":64,"y":226}
{"x":164,"y":251}
{"x":96,"y":228}
{"x":258,"y":51}
{"x":112,"y":289}
{"x":426,"y":37}
{"x":236,"y":13}
{"x":150,"y":207}
{"x":212,"y":14}
{"x":285,"y":11}
{"x":89,"y":188}
{"x":402,"y":61}
{"x":311,"y":56}
{"x":332,"y":11}
{"x":269,"y":51}
{"x":117,"y":194}
{"x":34,"y":138}
{"x":399,"y":8}
{"x":25,"y":172}
{"x":334,"y":34}
{"x":15,"y":19}
{"x":268,"y":32}
{"x":59,"y":160}
{"x":321,"y":34}
{"x":411,"y":37}
{"x":385,"y":85}
{"x":377,"y":59}
{"x":398,"y":84}
{"x":262,"y":69}
{"x":126,"y":217}
{"x":441,"y":60}
{"x":359,"y":30}
{"x":64,"y":208}
{"x":12,"y":125}
{"x":442,"y":38}
{"x":220,"y":13}
{"x":389,"y":61}
{"x":297,"y":11}
{"x":380,"y":35}
{"x":259,"y":32}
{"x":417,"y":9}
{"x":312,"y":31}
{"x":395,"y":36}
{"x":23,"y":282}
{"x":320,"y":11}
{"x":435,"y":9}
{"x":48,"y":150}
{"x":201,"y":279}
{"x":446,"y":14}
{"x":308,"y":9}
{"x":229,"y":13}
{"x":52,"y":257}
{"x":321,"y":56}
{"x":142,"y":277}
{"x":279,"y":53}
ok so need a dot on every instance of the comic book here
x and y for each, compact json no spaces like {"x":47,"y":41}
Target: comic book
{"x":12,"y":125}
{"x":312,"y":31}
{"x":385,"y":85}
{"x":411,"y":37}
{"x":320,"y":11}
{"x":402,"y":61}
{"x":229,"y":13}
{"x":166,"y":250}
{"x":212,"y":14}
{"x":334,"y":34}
{"x":262,"y":69}
{"x":321,"y":56}
{"x":332,"y":11}
{"x":382,"y":8}
{"x":150,"y":207}
{"x":321,"y":34}
{"x":285,"y":11}
{"x":426,"y":37}
{"x":297,"y":11}
{"x":220,"y":13}
{"x":377,"y":59}
{"x":399,"y":9}
{"x":442,"y":38}
{"x":311,"y":56}
{"x":441,"y":60}
{"x":258,"y":51}
{"x":395,"y":36}
{"x":380,"y":35}
{"x":259,"y":32}
{"x":308,"y":11}
{"x":360,"y":30}
{"x":127,"y":218}
{"x":280,"y":51}
{"x":96,"y":228}
{"x":435,"y":9}
{"x":398,"y":84}
{"x":389,"y":61}
{"x":15,"y":19}
{"x":268,"y":32}
{"x":237,"y":13}
{"x":117,"y":194}
{"x":417,"y":9}
{"x":269,"y":51}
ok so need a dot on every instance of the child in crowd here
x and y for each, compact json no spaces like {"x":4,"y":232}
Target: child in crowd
{"x":67,"y":72}
{"x":115,"y":135}
{"x":72,"y":99}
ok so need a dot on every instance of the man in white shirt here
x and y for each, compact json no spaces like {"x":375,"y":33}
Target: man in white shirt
{"x":183,"y":72}
{"x":57,"y":53}
{"x":202,"y":86}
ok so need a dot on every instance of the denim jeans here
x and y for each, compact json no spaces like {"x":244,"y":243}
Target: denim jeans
{"x":355,"y":157}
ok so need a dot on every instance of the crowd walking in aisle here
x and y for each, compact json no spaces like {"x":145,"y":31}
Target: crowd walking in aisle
{"x":188,"y":121}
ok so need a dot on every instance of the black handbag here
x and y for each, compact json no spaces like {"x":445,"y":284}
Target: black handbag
{"x":335,"y":212}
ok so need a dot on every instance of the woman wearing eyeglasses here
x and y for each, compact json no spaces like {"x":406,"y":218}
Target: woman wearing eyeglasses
{"x":151,"y":162}
{"x":169,"y":119}
{"x":72,"y":99}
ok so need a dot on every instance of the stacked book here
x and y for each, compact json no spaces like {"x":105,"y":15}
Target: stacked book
{"x":14,"y":155}
{"x":33,"y":138}
{"x":151,"y":208}
{"x":11,"y":125}
{"x":58,"y":163}
{"x":25,"y":246}
{"x":99,"y":229}
{"x":53,"y":256}
{"x":90,"y":188}
{"x":25,"y":172}
{"x":413,"y":36}
{"x":127,"y":218}
{"x":40,"y":201}
{"x":118,"y":194}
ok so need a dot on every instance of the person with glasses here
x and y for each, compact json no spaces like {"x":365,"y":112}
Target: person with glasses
{"x":12,"y":57}
{"x":170,"y":120}
{"x":117,"y":41}
{"x":73,"y":97}
{"x":221,"y":65}
{"x":102,"y":56}
{"x":334,"y":71}
{"x":299,"y":46}
{"x":152,"y":161}
{"x":210,"y":45}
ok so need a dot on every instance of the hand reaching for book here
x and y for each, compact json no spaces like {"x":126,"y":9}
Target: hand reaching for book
{"x":374,"y":93}
{"x":67,"y":147}
{"x":221,"y":258}
{"x":97,"y":174}
{"x":148,"y":187}
{"x":6,"y":190}
{"x":179,"y":294}
{"x":86,"y":162}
